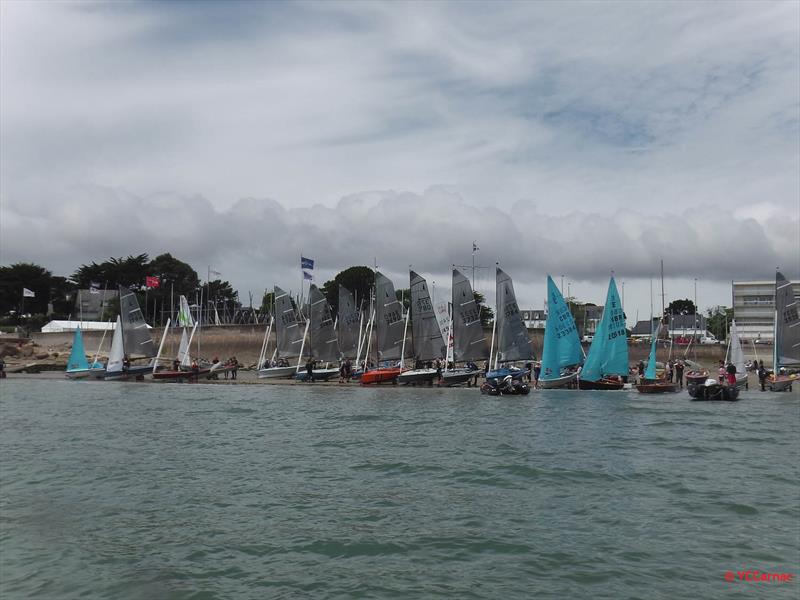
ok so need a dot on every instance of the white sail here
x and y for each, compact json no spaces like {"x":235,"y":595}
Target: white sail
{"x":737,"y":355}
{"x":184,"y":314}
{"x":117,"y":353}
{"x":183,"y":350}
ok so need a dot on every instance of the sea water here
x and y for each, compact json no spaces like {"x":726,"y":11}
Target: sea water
{"x":140,"y":491}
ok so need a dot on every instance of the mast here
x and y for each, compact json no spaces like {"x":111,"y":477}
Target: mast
{"x":775,"y":340}
{"x":160,"y":347}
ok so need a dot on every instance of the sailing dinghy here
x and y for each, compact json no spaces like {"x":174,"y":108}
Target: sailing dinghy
{"x":323,"y":343}
{"x":426,"y":337}
{"x":607,"y":362}
{"x":389,"y":333}
{"x":469,"y":342}
{"x":786,"y":350}
{"x":562,"y":347}
{"x":513,"y":341}
{"x":289,"y":338}
{"x":77,"y":365}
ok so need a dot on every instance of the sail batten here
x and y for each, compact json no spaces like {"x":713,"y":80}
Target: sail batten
{"x":135,"y":336}
{"x":562,"y":347}
{"x":389,"y":319}
{"x":469,"y":342}
{"x":513,"y":341}
{"x":324,"y":342}
{"x":289,"y":334}
{"x":787,"y":324}
{"x":348,"y":323}
{"x":425,"y":332}
{"x":608,"y":354}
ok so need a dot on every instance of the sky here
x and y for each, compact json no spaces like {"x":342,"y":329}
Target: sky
{"x":576,"y":139}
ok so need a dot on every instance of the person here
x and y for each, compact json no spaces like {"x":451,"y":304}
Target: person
{"x":670,"y":370}
{"x":762,"y":376}
{"x":348,"y":370}
{"x":537,"y":371}
{"x":310,"y":370}
{"x":195,"y":370}
{"x":722,"y":371}
{"x":235,"y":365}
{"x":731,"y":374}
{"x":342,"y":371}
{"x":679,"y":373}
{"x":438,"y":370}
{"x":640,"y":366}
{"x":2,"y":368}
{"x":176,"y":365}
{"x":529,"y":368}
{"x":126,"y":363}
{"x":486,"y":369}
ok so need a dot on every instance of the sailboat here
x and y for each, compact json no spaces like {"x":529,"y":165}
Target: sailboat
{"x":182,"y":365}
{"x":786,"y":350}
{"x":513,"y":341}
{"x":651,"y":384}
{"x":389,"y":333}
{"x":77,"y":365}
{"x":468,"y":340}
{"x":737,"y":357}
{"x":349,"y":324}
{"x":562,"y":347}
{"x":131,"y":340}
{"x":323,"y":343}
{"x":289,"y":339}
{"x":426,"y":337}
{"x":607,"y":362}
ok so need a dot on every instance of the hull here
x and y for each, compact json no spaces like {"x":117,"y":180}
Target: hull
{"x":491,"y":387}
{"x":78,"y":374}
{"x":382,"y":375}
{"x":129,"y":373}
{"x":714,"y":392}
{"x":741,"y":383}
{"x":601,"y":384}
{"x":180,"y":375}
{"x":781,"y":383}
{"x":695,"y":377}
{"x":457,"y":377}
{"x":413,"y":376}
{"x":657,"y":387}
{"x":500,"y":373}
{"x":559,"y":382}
{"x":277,"y":372}
{"x":319,"y":374}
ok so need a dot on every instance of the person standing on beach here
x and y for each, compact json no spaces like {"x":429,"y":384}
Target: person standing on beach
{"x":679,"y":373}
{"x":762,"y":376}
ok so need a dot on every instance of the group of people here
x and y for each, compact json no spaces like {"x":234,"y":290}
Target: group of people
{"x":673,"y":371}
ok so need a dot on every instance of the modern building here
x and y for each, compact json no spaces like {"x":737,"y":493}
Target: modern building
{"x":534,"y":319}
{"x":680,"y":327}
{"x":754,"y":308}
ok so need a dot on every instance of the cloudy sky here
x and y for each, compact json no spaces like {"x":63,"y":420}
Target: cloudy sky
{"x":565,"y":138}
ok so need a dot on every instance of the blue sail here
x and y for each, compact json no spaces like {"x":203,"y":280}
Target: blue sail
{"x":650,"y":372}
{"x":562,"y":347}
{"x":608,"y":354}
{"x":77,"y":359}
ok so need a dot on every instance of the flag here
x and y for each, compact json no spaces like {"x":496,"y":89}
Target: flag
{"x":26,"y":293}
{"x":151,"y":281}
{"x":306,"y":263}
{"x":307,"y":276}
{"x":213,"y":272}
{"x":475,"y":247}
{"x":94,"y":288}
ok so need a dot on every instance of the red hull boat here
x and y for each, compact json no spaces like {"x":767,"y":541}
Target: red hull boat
{"x":381,"y":375}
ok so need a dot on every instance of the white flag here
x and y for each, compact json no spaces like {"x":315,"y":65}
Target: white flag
{"x":26,"y":293}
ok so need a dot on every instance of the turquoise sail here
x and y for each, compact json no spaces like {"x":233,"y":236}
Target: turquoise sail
{"x":562,"y":347}
{"x":650,"y":372}
{"x":608,"y":354}
{"x":77,"y":359}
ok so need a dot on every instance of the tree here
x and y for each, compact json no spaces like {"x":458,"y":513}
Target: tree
{"x":487,"y":314}
{"x":717,"y":321}
{"x":24,"y":275}
{"x":403,"y":296}
{"x":681,"y":307}
{"x":359,"y":280}
{"x":129,"y":272}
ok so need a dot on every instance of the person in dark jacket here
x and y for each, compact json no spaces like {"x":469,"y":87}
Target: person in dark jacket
{"x":762,"y":376}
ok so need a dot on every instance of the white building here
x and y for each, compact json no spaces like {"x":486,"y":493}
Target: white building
{"x":754,"y":308}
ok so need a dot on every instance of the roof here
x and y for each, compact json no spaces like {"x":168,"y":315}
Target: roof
{"x":60,"y":326}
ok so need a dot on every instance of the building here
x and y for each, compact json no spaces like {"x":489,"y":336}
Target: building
{"x":754,"y":308}
{"x":534,"y":319}
{"x":90,"y":305}
{"x":681,"y":327}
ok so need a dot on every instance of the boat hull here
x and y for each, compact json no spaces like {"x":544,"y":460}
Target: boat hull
{"x":600,"y":385}
{"x":493,"y":387}
{"x":501,"y":373}
{"x":781,"y":383}
{"x":559,"y":382}
{"x":415,"y":376}
{"x":657,"y":387}
{"x":382,"y":375}
{"x":277,"y":372}
{"x":78,"y":374}
{"x":180,"y":375}
{"x":696,"y":377}
{"x":319,"y":374}
{"x":129,"y":373}
{"x":458,"y":377}
{"x":714,"y":392}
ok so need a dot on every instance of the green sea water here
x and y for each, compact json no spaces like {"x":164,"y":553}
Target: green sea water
{"x":147,"y":491}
